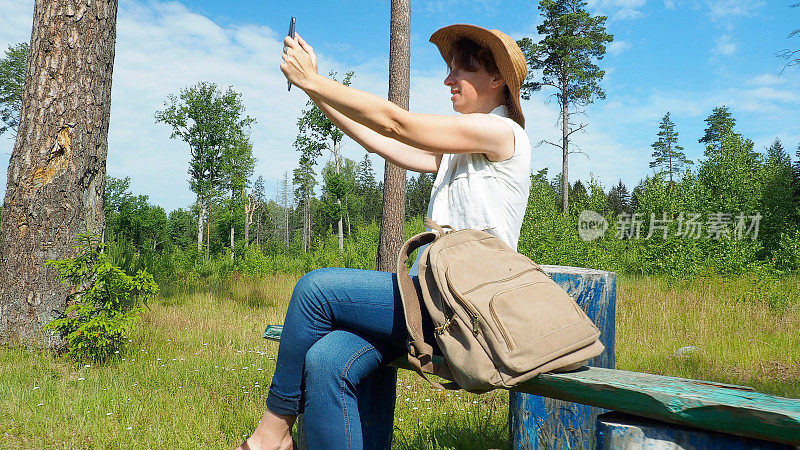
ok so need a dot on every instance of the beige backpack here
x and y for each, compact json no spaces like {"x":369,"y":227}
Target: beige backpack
{"x":498,"y":318}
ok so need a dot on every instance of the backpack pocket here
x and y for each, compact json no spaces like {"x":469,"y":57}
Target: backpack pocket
{"x":524,"y":319}
{"x":539,"y":322}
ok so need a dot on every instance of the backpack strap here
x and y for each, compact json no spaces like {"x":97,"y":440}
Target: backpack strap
{"x":420,"y":353}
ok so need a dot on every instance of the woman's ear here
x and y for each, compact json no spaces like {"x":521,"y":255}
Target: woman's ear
{"x":497,"y":81}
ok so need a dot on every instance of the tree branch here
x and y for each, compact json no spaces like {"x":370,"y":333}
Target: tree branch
{"x":544,"y":141}
{"x":582,"y":126}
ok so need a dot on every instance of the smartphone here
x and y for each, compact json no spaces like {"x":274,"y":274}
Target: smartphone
{"x":290,"y":34}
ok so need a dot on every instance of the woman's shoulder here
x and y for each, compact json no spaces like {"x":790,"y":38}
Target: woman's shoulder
{"x":502,"y":113}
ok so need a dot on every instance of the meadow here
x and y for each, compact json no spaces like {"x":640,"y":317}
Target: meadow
{"x":196,"y":370}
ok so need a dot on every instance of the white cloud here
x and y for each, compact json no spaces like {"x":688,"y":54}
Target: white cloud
{"x":162,"y":47}
{"x":725,"y":46}
{"x":16,"y":22}
{"x":487,"y":7}
{"x":767,"y":79}
{"x":669,"y":4}
{"x":617,"y":47}
{"x":619,"y":9}
{"x":728,"y":9}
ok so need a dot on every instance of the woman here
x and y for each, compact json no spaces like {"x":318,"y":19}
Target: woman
{"x":343,"y":325}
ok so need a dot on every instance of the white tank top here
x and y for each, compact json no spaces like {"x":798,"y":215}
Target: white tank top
{"x":470,"y":191}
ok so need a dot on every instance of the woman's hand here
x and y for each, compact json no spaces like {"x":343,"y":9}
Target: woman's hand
{"x":299,"y":61}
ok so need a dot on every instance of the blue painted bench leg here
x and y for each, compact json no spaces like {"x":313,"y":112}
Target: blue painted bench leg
{"x":542,"y":423}
{"x":622,"y":431}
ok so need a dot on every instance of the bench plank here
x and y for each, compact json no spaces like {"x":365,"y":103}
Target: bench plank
{"x":701,"y":404}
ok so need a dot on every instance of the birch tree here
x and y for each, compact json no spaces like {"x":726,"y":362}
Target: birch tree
{"x":210,"y":121}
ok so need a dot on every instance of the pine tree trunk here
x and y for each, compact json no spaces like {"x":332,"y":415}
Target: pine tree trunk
{"x":56,"y":174}
{"x":565,"y":157}
{"x":232,"y":241}
{"x":394,"y":180}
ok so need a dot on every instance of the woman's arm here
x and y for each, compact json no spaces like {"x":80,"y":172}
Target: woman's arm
{"x":466,"y":133}
{"x":396,"y":152}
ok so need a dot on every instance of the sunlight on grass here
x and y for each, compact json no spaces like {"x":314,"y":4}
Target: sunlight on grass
{"x":196,"y":371}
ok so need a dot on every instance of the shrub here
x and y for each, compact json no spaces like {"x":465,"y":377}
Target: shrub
{"x":104,"y":304}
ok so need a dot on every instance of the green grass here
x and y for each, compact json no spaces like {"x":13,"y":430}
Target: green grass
{"x":745,"y":329}
{"x":196,"y":370}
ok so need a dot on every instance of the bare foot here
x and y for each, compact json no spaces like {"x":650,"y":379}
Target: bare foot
{"x":274,"y":432}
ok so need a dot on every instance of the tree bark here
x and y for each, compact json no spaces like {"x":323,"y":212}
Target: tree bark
{"x":56,"y":175}
{"x":394,"y":179}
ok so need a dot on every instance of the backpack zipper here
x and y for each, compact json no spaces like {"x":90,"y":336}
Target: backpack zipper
{"x":502,"y":329}
{"x":475,"y":317}
{"x":475,"y":288}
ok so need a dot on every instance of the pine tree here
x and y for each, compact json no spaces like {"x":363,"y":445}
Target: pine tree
{"x":418,"y":194}
{"x":668,"y":154}
{"x":778,"y":204}
{"x":619,"y":199}
{"x":368,"y":188}
{"x":720,"y":127}
{"x":572,"y":40}
{"x":392,"y":232}
{"x":57,"y":170}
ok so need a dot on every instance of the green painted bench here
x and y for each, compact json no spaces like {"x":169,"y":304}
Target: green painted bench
{"x":724,"y":408}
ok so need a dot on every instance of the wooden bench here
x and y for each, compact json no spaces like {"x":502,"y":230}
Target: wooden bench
{"x":563,"y":410}
{"x":706,"y":405}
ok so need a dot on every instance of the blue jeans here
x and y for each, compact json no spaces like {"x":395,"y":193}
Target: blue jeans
{"x":341,"y":328}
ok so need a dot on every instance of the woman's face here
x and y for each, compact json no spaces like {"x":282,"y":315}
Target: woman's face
{"x":472,"y":91}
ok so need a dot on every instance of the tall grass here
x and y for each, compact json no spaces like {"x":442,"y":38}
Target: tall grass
{"x":741,"y":330}
{"x":196,"y":371}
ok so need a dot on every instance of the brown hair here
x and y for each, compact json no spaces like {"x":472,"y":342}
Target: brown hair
{"x":470,"y":56}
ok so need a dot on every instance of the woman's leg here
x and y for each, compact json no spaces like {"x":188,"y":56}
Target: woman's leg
{"x":364,"y":301}
{"x":349,"y":398}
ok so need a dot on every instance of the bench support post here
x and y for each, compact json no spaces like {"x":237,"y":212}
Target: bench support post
{"x":543,"y":423}
{"x":616,"y":430}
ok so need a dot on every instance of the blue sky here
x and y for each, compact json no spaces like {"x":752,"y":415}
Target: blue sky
{"x":681,"y":56}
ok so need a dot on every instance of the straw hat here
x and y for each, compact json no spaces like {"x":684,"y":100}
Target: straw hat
{"x":509,"y":57}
